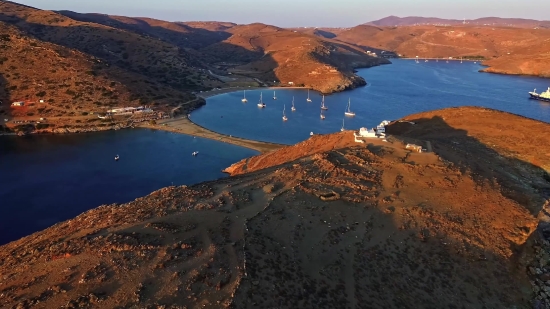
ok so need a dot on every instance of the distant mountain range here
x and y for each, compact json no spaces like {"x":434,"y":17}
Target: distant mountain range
{"x":391,"y":21}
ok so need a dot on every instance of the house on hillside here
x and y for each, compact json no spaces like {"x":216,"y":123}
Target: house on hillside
{"x":364,"y":132}
{"x":19,"y":103}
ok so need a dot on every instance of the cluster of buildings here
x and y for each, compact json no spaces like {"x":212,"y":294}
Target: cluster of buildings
{"x":378,"y":132}
{"x":129,"y":110}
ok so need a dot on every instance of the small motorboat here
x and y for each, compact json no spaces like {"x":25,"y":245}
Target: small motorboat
{"x":195,"y":153}
{"x":117,"y":157}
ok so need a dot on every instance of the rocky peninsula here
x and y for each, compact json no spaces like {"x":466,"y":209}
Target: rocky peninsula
{"x":325,"y":223}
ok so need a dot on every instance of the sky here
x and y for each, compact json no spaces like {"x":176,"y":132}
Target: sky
{"x":301,"y":13}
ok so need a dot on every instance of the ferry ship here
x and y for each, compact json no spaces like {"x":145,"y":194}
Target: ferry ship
{"x":544,"y":96}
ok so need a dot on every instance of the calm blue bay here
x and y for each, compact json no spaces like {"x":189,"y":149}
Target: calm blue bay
{"x":50,"y":178}
{"x":393,"y":91}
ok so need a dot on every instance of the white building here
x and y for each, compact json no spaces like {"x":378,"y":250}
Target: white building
{"x":20,"y":103}
{"x":364,"y":132}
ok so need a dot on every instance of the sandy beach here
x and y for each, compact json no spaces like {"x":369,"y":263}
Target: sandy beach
{"x":183,"y":125}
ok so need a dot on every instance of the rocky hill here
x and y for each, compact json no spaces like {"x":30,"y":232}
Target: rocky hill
{"x":333,"y":224}
{"x":392,"y":21}
{"x":260,"y":51}
{"x":70,"y":82}
{"x":160,"y":61}
{"x":272,"y":53}
{"x":185,"y":35}
{"x":505,"y":49}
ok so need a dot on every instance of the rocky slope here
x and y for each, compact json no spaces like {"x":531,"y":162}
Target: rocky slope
{"x":70,"y":82}
{"x":506,"y":50}
{"x":392,"y":21}
{"x":332,"y":224}
{"x":272,"y":53}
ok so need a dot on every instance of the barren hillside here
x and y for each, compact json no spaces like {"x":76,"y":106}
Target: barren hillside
{"x":185,"y":35}
{"x":392,"y":21}
{"x":70,"y":83}
{"x":507,"y":50}
{"x":335,"y":224}
{"x":272,"y":53}
{"x":160,"y":61}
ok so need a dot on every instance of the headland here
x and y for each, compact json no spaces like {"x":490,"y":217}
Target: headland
{"x":327,"y":223}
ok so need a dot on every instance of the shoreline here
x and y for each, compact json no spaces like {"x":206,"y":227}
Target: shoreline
{"x":185,"y":126}
{"x":208,"y":94}
{"x":420,"y":58}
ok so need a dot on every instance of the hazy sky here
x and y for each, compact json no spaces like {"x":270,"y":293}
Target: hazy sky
{"x":290,"y":13}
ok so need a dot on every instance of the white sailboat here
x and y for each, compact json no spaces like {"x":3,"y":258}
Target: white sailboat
{"x":261,"y":104}
{"x":195,"y":153}
{"x":284,"y":116}
{"x":308,"y":99}
{"x":274,"y":96}
{"x":293,"y":108}
{"x":460,"y":59}
{"x":244,"y":100}
{"x":322,"y":116}
{"x":342,"y":129}
{"x":323,"y":104}
{"x":348,"y":111}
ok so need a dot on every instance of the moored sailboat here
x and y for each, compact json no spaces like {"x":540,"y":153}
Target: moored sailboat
{"x":342,"y":129}
{"x":293,"y":108}
{"x":323,"y":104}
{"x":308,"y":99}
{"x":274,"y":96}
{"x":284,"y":116}
{"x":348,"y":111}
{"x":261,"y":104}
{"x":244,"y":100}
{"x":322,"y":116}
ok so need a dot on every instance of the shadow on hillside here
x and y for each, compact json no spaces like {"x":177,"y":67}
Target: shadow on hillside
{"x":105,"y":44}
{"x":5,"y":100}
{"x":341,"y":255}
{"x":325,"y":34}
{"x":188,"y":37}
{"x":527,"y":184}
